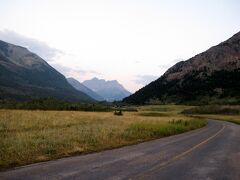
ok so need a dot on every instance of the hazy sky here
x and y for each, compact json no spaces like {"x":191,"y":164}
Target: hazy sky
{"x":132,"y":41}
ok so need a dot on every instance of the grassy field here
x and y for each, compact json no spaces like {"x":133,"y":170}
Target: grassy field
{"x":231,"y":118}
{"x":229,"y":113}
{"x":34,"y":136}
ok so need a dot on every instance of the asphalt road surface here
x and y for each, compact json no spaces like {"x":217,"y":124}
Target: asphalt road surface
{"x":212,"y":152}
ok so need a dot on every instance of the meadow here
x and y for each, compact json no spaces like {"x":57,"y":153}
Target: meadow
{"x":229,"y":113}
{"x":230,"y":118}
{"x":34,"y":136}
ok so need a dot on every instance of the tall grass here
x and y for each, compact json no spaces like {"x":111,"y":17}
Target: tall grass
{"x":230,"y":118}
{"x":214,"y":109}
{"x":229,"y":113}
{"x":154,"y":130}
{"x":33,"y":136}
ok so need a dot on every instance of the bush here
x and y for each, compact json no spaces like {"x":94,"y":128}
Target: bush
{"x":118,"y":113}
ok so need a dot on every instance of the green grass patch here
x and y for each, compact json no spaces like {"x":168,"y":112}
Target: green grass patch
{"x":165,"y":108}
{"x":229,"y":113}
{"x":214,"y":109}
{"x":154,"y":114}
{"x":235,"y":121}
{"x":230,"y":118}
{"x":143,"y":130}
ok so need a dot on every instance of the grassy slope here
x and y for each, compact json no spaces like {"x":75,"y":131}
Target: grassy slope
{"x":34,"y":136}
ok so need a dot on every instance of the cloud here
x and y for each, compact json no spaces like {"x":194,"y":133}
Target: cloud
{"x":50,"y":54}
{"x":170,"y":64}
{"x":85,"y":72}
{"x":77,"y":73}
{"x":164,"y":66}
{"x":40,"y":48}
{"x":137,"y":62}
{"x":145,"y":79}
{"x":63,"y":69}
{"x":178,"y":59}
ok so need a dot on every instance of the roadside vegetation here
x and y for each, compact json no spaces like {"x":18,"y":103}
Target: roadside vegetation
{"x":214,"y":109}
{"x":229,"y":113}
{"x":33,"y":136}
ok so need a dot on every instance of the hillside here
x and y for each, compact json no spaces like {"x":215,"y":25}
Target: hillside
{"x":209,"y":77}
{"x":80,"y":87}
{"x":109,"y":90}
{"x":24,"y":75}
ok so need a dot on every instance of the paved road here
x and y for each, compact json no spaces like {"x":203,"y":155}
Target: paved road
{"x":212,"y":152}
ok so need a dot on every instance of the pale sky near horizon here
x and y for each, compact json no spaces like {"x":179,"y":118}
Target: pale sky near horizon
{"x":132,"y":41}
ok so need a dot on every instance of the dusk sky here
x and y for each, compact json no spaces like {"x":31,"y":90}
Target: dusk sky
{"x":132,"y":41}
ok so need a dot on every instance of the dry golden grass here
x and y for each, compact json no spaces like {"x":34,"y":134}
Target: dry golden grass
{"x":33,"y":136}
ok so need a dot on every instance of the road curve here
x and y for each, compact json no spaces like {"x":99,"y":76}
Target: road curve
{"x":212,"y":152}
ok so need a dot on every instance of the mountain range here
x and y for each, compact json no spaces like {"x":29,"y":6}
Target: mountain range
{"x":80,"y":87}
{"x":209,"y":77}
{"x":109,"y":90}
{"x":24,"y":76}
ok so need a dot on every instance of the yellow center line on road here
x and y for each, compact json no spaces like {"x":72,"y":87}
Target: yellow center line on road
{"x":166,"y":163}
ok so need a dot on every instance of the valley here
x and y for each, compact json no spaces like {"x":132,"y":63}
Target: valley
{"x":115,"y":90}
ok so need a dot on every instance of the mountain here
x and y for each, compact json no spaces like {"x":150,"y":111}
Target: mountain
{"x":109,"y":90}
{"x":209,"y":77}
{"x":24,"y":75}
{"x":80,"y":87}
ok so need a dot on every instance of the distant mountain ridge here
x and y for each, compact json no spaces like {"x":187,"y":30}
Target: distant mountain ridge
{"x":24,"y":75}
{"x":211,"y":76}
{"x":109,"y":90}
{"x":79,"y":86}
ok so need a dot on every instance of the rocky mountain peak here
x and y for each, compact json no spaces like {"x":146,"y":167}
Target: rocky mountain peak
{"x":225,"y":56}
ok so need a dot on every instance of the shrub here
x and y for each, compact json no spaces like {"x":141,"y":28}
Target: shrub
{"x":118,"y":113}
